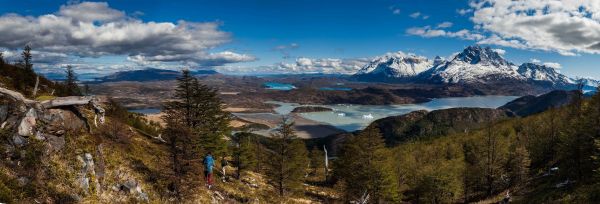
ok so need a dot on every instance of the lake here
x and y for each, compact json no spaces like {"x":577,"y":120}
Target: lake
{"x":356,"y":117}
{"x":279,"y":86}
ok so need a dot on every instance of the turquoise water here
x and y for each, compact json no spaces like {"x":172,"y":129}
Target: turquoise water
{"x":356,"y":117}
{"x":279,"y":86}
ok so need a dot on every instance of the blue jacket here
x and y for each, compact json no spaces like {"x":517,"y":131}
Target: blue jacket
{"x":209,"y":162}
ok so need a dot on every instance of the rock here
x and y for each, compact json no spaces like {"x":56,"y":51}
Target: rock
{"x":19,"y":140}
{"x":130,"y":186}
{"x":87,"y":174}
{"x":58,"y":121}
{"x":56,"y":143}
{"x":3,"y":113}
{"x":22,"y":181}
{"x":27,"y":124}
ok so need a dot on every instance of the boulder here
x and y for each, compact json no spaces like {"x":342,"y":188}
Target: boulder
{"x":27,"y":124}
{"x":58,"y":121}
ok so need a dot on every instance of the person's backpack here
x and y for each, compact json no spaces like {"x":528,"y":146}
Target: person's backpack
{"x":209,"y":162}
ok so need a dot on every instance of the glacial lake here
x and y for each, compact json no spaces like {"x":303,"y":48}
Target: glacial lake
{"x":279,"y":86}
{"x":356,"y":117}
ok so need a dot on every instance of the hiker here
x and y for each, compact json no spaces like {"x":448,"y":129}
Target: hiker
{"x":223,"y":165}
{"x":209,"y":162}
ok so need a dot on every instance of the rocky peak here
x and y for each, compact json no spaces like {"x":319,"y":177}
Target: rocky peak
{"x":538,"y":72}
{"x":481,"y":55}
{"x":396,"y":64}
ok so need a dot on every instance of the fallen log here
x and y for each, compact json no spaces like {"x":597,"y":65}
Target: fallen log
{"x":59,"y":102}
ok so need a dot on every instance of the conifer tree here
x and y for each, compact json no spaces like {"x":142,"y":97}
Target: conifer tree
{"x":243,"y":152}
{"x":317,"y":161}
{"x":518,"y":163}
{"x":70,"y":84}
{"x":364,"y":165}
{"x":288,"y":160}
{"x":28,"y":66}
{"x":200,"y":108}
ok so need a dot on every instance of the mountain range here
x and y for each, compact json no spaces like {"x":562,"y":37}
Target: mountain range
{"x":149,"y":74}
{"x":474,"y":65}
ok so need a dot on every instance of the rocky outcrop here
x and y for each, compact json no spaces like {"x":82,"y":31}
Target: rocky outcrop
{"x":45,"y":120}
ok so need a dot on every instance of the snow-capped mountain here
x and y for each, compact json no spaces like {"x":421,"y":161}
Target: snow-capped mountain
{"x":588,"y":82}
{"x":395,"y":65}
{"x":543,"y":73}
{"x":473,"y":65}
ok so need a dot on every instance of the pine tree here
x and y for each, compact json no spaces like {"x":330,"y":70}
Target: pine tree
{"x":288,"y":160}
{"x":364,"y":165}
{"x":518,"y":163}
{"x":201,"y":110}
{"x":317,"y":161}
{"x":2,"y":59}
{"x":576,"y":146}
{"x":70,"y":84}
{"x":243,"y":152}
{"x":29,"y":73}
{"x":26,"y":54}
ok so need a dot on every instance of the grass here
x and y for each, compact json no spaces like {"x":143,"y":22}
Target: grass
{"x":44,"y":97}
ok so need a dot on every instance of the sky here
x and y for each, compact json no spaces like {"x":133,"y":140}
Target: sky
{"x":294,"y":36}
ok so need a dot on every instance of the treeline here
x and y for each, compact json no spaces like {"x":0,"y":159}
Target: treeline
{"x":548,"y":157}
{"x":20,"y":76}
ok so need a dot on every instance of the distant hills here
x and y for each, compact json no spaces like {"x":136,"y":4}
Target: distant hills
{"x":148,"y":74}
{"x":474,"y":65}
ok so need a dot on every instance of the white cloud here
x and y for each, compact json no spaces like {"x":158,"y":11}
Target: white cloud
{"x":567,"y":27}
{"x":425,"y":17}
{"x":536,"y":61}
{"x":429,"y":32}
{"x":396,"y":11}
{"x":93,"y":29}
{"x":500,"y":51}
{"x":445,"y":24}
{"x":415,"y":15}
{"x":304,"y":65}
{"x":553,"y":65}
{"x":463,"y":12}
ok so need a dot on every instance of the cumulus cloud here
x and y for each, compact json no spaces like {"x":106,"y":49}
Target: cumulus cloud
{"x":94,"y":29}
{"x":415,"y":15}
{"x":500,"y":51}
{"x":445,"y":24}
{"x":533,"y":60}
{"x":463,"y":12}
{"x":553,"y":65}
{"x":304,"y":65}
{"x":566,"y":27}
{"x":429,"y":32}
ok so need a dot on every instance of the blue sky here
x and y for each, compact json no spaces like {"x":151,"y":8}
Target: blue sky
{"x":270,"y":36}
